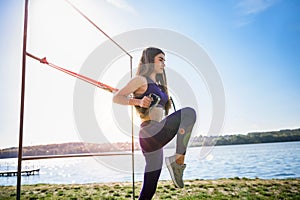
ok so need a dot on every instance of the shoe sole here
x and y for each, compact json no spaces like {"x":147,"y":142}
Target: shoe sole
{"x":171,"y":172}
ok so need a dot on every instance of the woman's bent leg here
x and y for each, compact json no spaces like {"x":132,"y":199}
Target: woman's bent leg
{"x":156,"y":135}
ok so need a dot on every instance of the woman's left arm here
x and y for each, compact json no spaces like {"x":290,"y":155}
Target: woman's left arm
{"x":123,"y":95}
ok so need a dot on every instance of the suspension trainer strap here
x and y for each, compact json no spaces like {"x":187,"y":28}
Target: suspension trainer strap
{"x":76,"y":75}
{"x":173,"y":103}
{"x":97,"y":27}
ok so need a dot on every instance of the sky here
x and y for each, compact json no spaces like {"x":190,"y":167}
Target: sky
{"x":254,"y":44}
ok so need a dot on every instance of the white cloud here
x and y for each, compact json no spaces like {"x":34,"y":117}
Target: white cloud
{"x":248,"y":7}
{"x":123,"y":5}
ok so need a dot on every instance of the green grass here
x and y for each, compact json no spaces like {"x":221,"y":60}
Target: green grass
{"x":221,"y":189}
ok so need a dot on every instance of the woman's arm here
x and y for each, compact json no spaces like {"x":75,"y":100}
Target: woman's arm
{"x":136,"y":85}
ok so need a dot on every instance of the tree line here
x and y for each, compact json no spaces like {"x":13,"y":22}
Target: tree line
{"x":251,"y":138}
{"x":80,"y":147}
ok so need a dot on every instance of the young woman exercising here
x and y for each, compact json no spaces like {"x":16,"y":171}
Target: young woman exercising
{"x":148,"y":92}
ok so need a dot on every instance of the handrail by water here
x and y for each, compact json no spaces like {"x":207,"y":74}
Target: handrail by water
{"x":74,"y":155}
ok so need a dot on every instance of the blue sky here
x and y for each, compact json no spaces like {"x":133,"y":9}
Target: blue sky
{"x":255,"y":45}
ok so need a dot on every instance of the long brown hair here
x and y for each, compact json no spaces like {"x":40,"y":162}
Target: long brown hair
{"x":146,"y":67}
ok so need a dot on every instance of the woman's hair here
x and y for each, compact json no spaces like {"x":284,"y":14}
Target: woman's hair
{"x":146,"y":67}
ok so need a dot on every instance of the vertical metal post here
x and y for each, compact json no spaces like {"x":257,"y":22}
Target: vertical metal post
{"x":22,"y":102}
{"x":132,"y":140}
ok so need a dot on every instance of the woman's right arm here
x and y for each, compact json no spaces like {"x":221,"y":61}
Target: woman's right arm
{"x":123,"y":96}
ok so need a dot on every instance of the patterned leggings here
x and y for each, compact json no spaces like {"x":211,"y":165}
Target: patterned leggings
{"x":154,"y":136}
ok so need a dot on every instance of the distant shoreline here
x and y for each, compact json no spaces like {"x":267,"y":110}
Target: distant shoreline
{"x":286,"y":135}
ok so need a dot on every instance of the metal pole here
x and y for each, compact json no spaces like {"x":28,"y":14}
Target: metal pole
{"x":132,"y":141}
{"x":22,"y":102}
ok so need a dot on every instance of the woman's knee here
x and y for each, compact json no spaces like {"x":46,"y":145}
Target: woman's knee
{"x":190,"y":113}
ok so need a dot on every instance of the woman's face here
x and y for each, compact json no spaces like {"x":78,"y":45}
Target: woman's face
{"x":159,"y":63}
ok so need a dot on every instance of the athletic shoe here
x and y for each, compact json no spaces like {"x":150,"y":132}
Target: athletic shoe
{"x":176,"y":171}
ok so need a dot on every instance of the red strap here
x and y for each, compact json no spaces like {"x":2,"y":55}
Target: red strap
{"x":84,"y":78}
{"x":44,"y":61}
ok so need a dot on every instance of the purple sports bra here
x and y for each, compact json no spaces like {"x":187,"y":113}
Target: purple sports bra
{"x":153,"y":88}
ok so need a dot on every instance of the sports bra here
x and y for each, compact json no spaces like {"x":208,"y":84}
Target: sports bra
{"x":153,"y":88}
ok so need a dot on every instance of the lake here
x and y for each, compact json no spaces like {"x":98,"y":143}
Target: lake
{"x":265,"y":161}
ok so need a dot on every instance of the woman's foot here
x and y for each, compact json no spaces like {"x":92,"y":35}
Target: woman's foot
{"x":176,"y":171}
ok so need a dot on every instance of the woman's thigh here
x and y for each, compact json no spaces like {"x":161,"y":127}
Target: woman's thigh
{"x":155,"y":135}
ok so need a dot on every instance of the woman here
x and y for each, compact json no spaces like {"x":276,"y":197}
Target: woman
{"x":148,"y":92}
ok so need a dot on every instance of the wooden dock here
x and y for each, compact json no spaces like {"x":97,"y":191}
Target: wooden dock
{"x":27,"y":172}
